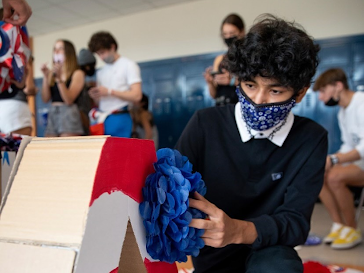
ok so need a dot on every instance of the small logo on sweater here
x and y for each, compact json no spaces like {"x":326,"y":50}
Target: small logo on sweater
{"x":276,"y":176}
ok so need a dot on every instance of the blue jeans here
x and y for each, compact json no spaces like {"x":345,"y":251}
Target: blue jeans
{"x":119,"y":125}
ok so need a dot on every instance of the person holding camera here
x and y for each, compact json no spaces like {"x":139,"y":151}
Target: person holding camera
{"x":220,"y":82}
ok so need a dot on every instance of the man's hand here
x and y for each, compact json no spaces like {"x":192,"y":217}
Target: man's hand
{"x":97,"y":92}
{"x":220,"y":229}
{"x":21,"y":14}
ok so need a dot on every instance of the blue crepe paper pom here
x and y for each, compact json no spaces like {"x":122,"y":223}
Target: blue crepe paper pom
{"x":166,"y":211}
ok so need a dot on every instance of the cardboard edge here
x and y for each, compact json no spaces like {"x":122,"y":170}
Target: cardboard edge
{"x":23,"y":144}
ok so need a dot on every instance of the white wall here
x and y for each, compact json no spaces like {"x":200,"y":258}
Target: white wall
{"x":193,"y":28}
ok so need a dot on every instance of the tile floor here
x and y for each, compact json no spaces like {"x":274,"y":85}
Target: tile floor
{"x":320,"y":226}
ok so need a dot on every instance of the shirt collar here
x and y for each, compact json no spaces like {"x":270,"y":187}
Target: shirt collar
{"x":278,"y":138}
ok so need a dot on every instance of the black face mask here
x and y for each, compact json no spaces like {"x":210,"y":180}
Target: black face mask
{"x":229,"y":41}
{"x":332,"y":102}
{"x":90,"y":72}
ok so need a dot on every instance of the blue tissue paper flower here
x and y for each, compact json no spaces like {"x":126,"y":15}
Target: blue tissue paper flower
{"x":166,"y":211}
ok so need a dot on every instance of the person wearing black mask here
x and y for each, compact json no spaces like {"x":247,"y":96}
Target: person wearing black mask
{"x":344,"y":168}
{"x":87,"y":63}
{"x":220,"y":82}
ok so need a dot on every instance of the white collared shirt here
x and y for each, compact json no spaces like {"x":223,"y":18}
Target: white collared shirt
{"x":278,"y":138}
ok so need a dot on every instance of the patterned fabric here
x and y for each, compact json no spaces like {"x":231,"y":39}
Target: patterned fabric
{"x":264,"y":116}
{"x":14,"y":54}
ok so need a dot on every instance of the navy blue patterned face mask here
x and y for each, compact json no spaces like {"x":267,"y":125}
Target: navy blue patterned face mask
{"x":261,"y":117}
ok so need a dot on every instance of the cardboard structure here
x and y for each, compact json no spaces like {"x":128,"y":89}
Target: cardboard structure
{"x":72,"y":206}
{"x":6,"y":164}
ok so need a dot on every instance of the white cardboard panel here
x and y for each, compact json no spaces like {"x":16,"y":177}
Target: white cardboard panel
{"x":138,"y":228}
{"x":17,"y":258}
{"x":106,"y":227}
{"x":49,"y":199}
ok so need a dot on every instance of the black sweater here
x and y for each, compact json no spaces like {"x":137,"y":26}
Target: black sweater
{"x":239,"y":180}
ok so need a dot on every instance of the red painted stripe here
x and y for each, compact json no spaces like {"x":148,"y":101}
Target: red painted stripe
{"x":160,"y":267}
{"x":123,"y":166}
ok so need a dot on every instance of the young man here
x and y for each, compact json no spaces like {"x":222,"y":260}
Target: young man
{"x":346,"y":167}
{"x":263,"y":166}
{"x":118,"y":84}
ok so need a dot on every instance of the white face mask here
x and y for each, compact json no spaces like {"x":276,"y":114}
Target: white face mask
{"x":58,"y":58}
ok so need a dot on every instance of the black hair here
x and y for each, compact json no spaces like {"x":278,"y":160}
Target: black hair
{"x":276,"y":49}
{"x":234,"y":19}
{"x":145,"y":102}
{"x":102,"y":40}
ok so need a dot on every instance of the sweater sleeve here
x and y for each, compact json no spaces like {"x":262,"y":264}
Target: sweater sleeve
{"x":290,"y":223}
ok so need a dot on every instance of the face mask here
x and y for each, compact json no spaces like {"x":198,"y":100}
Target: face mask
{"x":109,"y":59}
{"x":58,"y":58}
{"x":261,"y":117}
{"x":229,"y":41}
{"x":332,"y":102}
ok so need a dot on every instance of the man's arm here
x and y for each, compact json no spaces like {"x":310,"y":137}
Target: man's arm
{"x":347,"y":154}
{"x":220,"y":229}
{"x":351,"y":156}
{"x":21,"y":9}
{"x":134,"y":94}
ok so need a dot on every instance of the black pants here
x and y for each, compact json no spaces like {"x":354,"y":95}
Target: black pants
{"x":274,"y":259}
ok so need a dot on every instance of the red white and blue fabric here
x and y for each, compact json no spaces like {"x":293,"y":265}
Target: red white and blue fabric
{"x":14,"y":54}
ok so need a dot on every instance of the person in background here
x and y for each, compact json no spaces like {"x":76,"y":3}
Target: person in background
{"x":263,"y":166}
{"x":220,"y":82}
{"x":344,"y":168}
{"x":87,"y":63}
{"x":118,"y":84}
{"x":143,"y":123}
{"x":16,"y":12}
{"x":21,"y":117}
{"x":15,"y":116}
{"x":62,"y":84}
